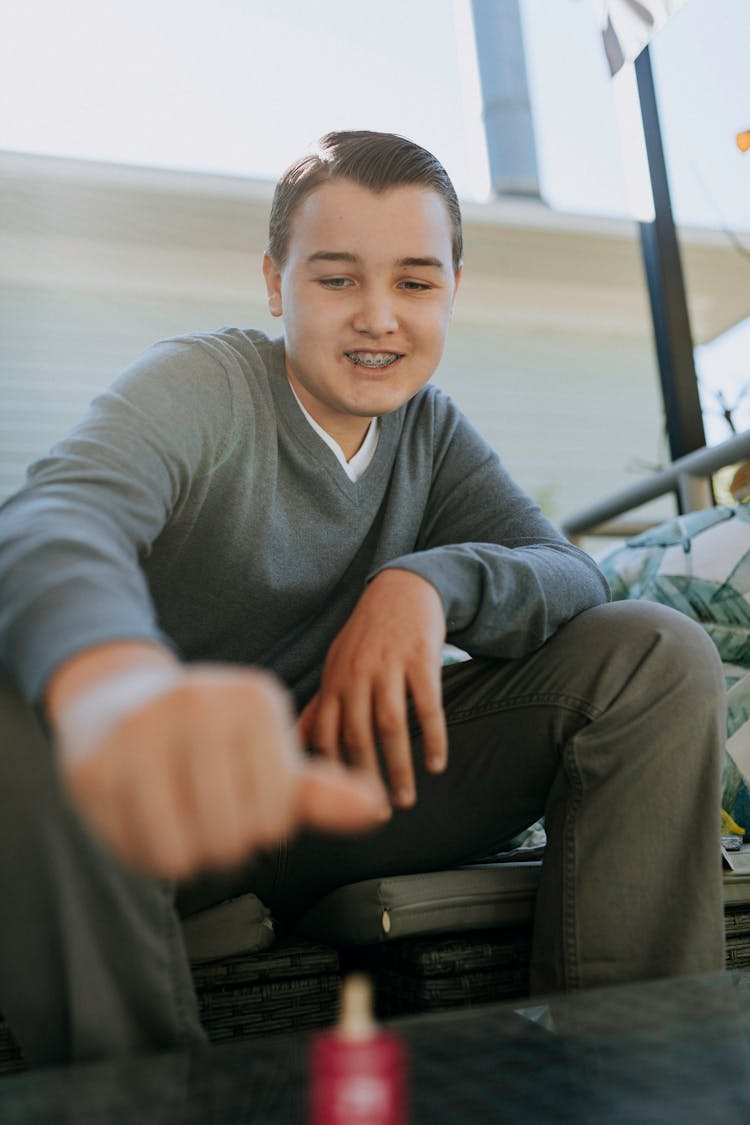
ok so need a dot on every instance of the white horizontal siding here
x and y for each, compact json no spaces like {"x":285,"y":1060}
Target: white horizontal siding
{"x":61,"y":347}
{"x":571,"y":417}
{"x":549,"y":352}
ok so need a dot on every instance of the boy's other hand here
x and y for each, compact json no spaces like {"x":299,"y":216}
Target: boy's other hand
{"x":389,"y":650}
{"x":201,"y":770}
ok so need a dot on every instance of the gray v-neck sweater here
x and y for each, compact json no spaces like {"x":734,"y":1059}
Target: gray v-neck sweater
{"x":195,"y":504}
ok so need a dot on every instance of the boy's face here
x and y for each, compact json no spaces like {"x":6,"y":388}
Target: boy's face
{"x":366,"y":294}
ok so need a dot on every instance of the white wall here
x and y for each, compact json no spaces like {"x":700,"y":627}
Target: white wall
{"x":60,"y":347}
{"x":570,"y":417}
{"x":550,"y":352}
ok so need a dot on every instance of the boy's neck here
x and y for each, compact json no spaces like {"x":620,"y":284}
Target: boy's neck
{"x":349,"y":443}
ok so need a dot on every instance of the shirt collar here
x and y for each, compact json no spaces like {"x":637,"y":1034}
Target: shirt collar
{"x":355,"y":467}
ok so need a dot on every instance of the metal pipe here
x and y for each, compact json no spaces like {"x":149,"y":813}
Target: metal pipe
{"x":679,"y":477}
{"x":508,"y":121}
{"x":666,"y":286}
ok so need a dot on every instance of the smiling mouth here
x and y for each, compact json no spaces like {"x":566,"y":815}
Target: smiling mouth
{"x":373,"y":359}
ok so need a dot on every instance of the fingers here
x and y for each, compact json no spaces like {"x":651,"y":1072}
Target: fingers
{"x":324,"y":735}
{"x":391,"y":722}
{"x":197,"y":779}
{"x":332,"y":799}
{"x":211,"y":771}
{"x":235,"y":768}
{"x":143,"y":824}
{"x":388,"y":650}
{"x":148,"y":828}
{"x":357,"y":726}
{"x":306,"y":721}
{"x":346,"y":722}
{"x":331,"y":722}
{"x":426,"y":686}
{"x":352,"y":719}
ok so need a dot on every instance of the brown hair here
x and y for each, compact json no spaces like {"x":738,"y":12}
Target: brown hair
{"x":377,"y":161}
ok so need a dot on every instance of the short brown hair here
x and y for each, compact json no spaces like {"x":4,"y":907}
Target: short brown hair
{"x":377,"y":161}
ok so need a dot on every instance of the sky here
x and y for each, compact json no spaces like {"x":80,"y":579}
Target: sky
{"x":244,"y":86}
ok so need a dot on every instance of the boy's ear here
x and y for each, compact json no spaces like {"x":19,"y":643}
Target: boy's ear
{"x":457,"y":279}
{"x":273,"y":285}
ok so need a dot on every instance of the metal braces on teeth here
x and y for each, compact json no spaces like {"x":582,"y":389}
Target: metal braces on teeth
{"x":372,"y":363}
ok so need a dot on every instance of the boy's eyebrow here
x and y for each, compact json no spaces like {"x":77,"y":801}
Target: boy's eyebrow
{"x":422,"y":262}
{"x":345,"y":256}
{"x":332,"y":256}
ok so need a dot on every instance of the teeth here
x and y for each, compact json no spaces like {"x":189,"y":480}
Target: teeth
{"x":373,"y":359}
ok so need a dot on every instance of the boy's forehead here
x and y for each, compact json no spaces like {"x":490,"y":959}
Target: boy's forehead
{"x":341,"y":211}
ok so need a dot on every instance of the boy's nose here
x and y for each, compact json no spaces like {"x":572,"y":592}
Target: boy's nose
{"x":375,"y":315}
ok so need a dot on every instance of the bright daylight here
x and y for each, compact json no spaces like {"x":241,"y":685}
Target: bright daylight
{"x":375,"y":561}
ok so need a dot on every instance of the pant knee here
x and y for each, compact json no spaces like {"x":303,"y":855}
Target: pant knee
{"x":672,"y":643}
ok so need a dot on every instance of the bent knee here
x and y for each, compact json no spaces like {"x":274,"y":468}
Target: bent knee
{"x":670,"y":641}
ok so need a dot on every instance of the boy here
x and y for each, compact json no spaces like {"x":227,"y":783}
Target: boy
{"x":311,"y":507}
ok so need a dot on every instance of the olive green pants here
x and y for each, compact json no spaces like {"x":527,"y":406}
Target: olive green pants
{"x":613,"y":731}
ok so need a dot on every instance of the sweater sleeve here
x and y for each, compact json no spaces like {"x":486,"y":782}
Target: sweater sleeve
{"x":73,"y":538}
{"x":507,"y":578}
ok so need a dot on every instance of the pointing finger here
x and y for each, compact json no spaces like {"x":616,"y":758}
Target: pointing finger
{"x":333,"y":799}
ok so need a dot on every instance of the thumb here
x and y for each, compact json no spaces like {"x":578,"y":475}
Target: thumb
{"x":305,"y":722}
{"x":332,"y":798}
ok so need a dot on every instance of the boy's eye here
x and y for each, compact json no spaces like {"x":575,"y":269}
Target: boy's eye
{"x":414,"y":286}
{"x":336,"y":282}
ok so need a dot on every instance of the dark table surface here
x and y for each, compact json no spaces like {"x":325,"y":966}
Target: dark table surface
{"x":669,"y":1051}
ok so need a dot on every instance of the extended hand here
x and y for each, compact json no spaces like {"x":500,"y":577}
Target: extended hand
{"x":389,"y":649}
{"x":204,"y":772}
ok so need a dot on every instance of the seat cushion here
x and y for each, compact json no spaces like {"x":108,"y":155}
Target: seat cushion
{"x":238,"y":925}
{"x":476,"y":897}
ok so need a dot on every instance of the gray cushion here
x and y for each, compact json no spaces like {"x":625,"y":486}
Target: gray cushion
{"x":463,"y":898}
{"x":238,"y":925}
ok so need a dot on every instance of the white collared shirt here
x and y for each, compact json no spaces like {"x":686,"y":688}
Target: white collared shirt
{"x":364,"y":455}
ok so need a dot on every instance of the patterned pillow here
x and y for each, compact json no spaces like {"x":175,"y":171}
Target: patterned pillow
{"x":736,"y":796}
{"x":700,"y":565}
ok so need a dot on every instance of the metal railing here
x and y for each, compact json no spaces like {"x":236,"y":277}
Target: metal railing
{"x":688,"y":478}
